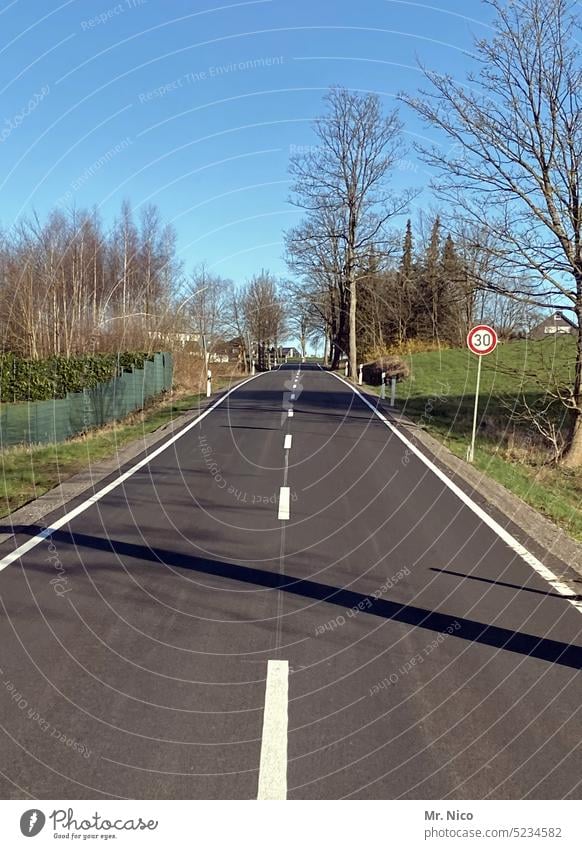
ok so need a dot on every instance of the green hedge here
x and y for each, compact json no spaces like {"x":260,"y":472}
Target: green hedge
{"x":57,"y":419}
{"x":45,"y":380}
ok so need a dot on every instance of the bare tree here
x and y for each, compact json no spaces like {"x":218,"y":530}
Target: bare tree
{"x":206,"y":298}
{"x":515,"y":167}
{"x":302,"y":320}
{"x":264,"y":313}
{"x":236,"y":312}
{"x":342,"y":184}
{"x":66,"y":285}
{"x":545,"y":421}
{"x":315,"y":253}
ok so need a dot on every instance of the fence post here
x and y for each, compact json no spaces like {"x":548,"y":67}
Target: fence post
{"x":383,"y":390}
{"x":208,"y":384}
{"x":393,"y":392}
{"x":361,"y":374}
{"x":346,"y":369}
{"x":85,"y":411}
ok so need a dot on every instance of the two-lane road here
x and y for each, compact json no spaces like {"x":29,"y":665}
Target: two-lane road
{"x":287,"y":600}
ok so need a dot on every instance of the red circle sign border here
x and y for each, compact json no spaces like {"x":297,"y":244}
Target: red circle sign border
{"x":482,"y":327}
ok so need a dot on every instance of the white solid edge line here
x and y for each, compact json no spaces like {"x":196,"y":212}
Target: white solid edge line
{"x":503,"y":534}
{"x":47,"y":532}
{"x":273,"y":765}
{"x":284,"y":501}
{"x":288,"y":441}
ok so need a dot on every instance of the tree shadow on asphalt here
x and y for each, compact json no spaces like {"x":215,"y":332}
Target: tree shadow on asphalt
{"x":337,"y":403}
{"x":552,"y":651}
{"x":573,"y":597}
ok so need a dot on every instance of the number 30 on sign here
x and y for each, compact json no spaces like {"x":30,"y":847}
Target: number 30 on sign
{"x":482,"y":340}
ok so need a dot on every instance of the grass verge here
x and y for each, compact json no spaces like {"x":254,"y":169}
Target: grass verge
{"x":440,"y":396}
{"x":27,"y":472}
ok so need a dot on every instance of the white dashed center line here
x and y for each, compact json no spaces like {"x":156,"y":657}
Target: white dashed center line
{"x":288,"y":441}
{"x":273,"y":767}
{"x":284,"y":500}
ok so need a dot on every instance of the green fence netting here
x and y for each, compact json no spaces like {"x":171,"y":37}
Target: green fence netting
{"x":54,"y":421}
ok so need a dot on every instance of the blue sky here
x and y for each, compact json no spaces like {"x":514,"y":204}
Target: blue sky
{"x":195,"y":106}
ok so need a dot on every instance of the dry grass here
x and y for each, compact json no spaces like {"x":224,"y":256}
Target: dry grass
{"x":190,"y":372}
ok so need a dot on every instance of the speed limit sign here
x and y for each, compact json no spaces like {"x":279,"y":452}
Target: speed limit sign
{"x":482,"y":340}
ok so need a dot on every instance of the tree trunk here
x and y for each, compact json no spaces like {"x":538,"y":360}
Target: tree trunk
{"x":353,"y":354}
{"x":339,"y":340}
{"x":572,"y":456}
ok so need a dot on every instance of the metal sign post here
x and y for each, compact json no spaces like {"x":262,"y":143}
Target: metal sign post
{"x":481,"y":340}
{"x":251,"y":354}
{"x":471,"y":452}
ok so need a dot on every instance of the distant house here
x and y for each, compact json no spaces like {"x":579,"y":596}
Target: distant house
{"x":173,"y":336}
{"x":220,"y":351}
{"x":553,"y":324}
{"x":291,"y":352}
{"x":236,"y":348}
{"x":226,"y":351}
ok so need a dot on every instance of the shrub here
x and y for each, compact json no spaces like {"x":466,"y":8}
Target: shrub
{"x":42,"y":380}
{"x":395,"y":367}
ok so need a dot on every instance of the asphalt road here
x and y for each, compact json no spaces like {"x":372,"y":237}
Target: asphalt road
{"x":412,"y":653}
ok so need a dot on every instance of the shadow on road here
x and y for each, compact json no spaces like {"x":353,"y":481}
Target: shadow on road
{"x":552,"y":651}
{"x":573,"y":597}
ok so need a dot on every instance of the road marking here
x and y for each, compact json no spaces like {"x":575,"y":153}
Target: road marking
{"x":290,"y":413}
{"x":72,"y":514}
{"x":503,"y":534}
{"x":288,"y":441}
{"x":273,"y":767}
{"x":284,"y":499}
{"x":292,"y":396}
